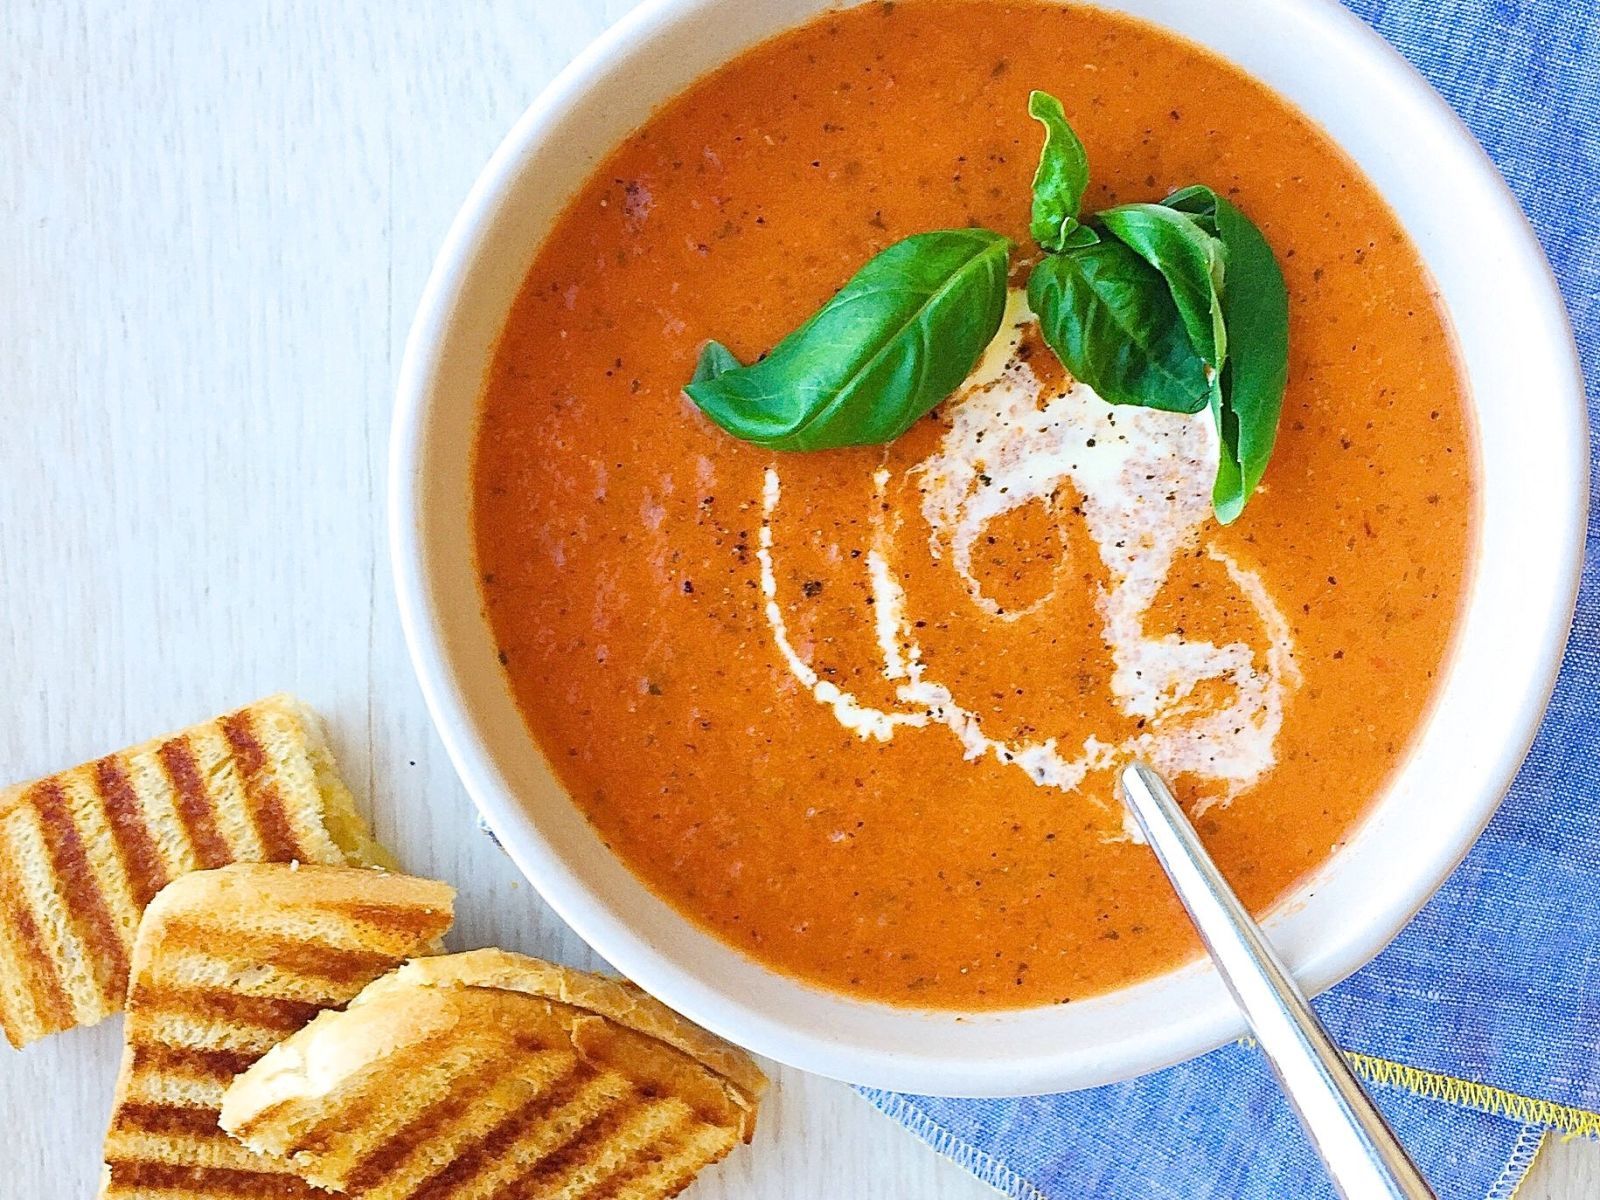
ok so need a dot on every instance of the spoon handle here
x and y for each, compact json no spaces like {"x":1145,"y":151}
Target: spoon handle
{"x":1363,"y":1157}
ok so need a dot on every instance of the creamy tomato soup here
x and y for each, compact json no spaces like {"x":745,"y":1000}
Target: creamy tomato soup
{"x":859,"y":712}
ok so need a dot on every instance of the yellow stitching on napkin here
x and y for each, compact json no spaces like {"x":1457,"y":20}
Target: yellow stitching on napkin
{"x":1430,"y":1085}
{"x":1575,"y":1122}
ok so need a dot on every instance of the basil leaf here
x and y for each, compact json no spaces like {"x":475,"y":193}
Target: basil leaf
{"x":897,"y":339}
{"x":1255,"y":308}
{"x":1189,"y":259}
{"x":1228,"y":491}
{"x":715,"y":360}
{"x":1062,"y":177}
{"x":1111,"y":318}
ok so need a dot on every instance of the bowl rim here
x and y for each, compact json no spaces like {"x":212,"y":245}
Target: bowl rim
{"x":572,"y":899}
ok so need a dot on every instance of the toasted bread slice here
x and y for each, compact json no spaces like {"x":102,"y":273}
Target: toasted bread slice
{"x":616,"y":999}
{"x":490,"y":1074}
{"x":227,"y":964}
{"x":82,"y":852}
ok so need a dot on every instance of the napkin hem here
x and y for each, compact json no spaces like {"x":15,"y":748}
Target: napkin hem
{"x":994,"y":1172}
{"x":964,"y":1154}
{"x":1523,"y":1155}
{"x":1528,"y":1111}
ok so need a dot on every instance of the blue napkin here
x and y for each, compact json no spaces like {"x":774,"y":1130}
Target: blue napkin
{"x":1478,"y":1026}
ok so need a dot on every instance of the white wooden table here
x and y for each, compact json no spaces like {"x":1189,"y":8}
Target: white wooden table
{"x":214,"y":223}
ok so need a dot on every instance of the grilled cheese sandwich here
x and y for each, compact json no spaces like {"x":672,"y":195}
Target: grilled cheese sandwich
{"x":489,"y":1073}
{"x":227,"y":964}
{"x":83,"y":852}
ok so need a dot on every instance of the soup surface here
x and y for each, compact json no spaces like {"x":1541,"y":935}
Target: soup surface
{"x":859,"y":712}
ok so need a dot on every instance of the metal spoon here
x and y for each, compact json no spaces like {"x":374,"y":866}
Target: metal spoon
{"x":1363,"y":1157}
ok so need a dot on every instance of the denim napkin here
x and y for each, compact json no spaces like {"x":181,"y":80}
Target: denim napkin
{"x":1477,"y":1028}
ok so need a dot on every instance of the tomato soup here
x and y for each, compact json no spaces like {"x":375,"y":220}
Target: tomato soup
{"x":860,"y":712}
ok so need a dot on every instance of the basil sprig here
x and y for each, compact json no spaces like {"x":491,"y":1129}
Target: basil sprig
{"x":897,"y":339}
{"x":1177,"y":306}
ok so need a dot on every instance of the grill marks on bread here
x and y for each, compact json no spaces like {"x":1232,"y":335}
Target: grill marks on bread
{"x":286,"y":967}
{"x":88,"y":909}
{"x":141,"y":861}
{"x":272,"y":824}
{"x":193,"y":805}
{"x":156,"y":1181}
{"x":228,"y":963}
{"x":508,"y":1092}
{"x":529,"y":1120}
{"x":84,"y":851}
{"x":237,"y":1022}
{"x":33,"y":998}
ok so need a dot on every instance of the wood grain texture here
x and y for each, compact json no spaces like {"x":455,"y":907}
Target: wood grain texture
{"x":214,"y":223}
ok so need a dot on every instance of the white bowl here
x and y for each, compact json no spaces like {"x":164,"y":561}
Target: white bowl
{"x":1524,"y":375}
